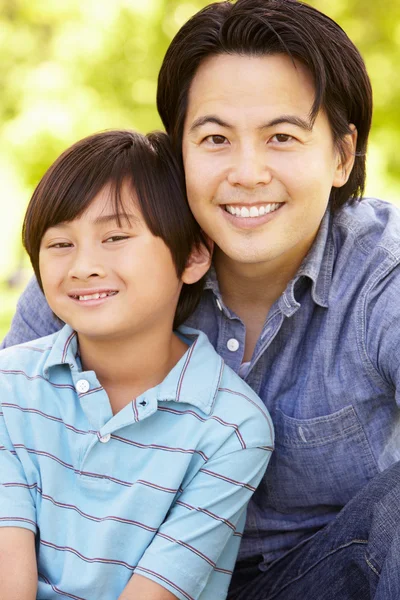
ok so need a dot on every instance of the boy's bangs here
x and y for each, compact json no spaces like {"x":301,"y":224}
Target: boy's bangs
{"x":141,"y":176}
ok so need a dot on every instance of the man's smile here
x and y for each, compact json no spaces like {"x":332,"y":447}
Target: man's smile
{"x":252,"y":211}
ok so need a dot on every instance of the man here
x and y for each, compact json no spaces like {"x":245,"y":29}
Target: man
{"x":269,"y":106}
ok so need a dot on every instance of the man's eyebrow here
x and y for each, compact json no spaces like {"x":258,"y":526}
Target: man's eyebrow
{"x":208,"y":119}
{"x":291,"y":119}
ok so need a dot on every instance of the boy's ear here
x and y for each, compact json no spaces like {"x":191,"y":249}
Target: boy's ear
{"x":198,"y":263}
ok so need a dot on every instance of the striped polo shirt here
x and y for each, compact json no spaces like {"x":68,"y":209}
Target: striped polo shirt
{"x":159,"y":489}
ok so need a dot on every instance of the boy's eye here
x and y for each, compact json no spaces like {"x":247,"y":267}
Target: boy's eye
{"x":61,"y":245}
{"x":116,"y":238}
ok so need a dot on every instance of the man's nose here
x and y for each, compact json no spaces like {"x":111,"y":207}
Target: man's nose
{"x":86,"y":264}
{"x":249,"y":167}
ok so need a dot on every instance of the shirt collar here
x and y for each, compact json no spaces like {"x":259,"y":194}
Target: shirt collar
{"x":194,"y":380}
{"x":64,"y":350}
{"x":211,"y":282}
{"x":317,"y":266}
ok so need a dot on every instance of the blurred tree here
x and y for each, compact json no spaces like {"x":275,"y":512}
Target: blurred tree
{"x":375,"y":29}
{"x":71,"y":68}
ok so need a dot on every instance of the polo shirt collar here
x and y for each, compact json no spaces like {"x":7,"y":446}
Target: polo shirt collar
{"x":317,"y":266}
{"x":194,"y":380}
{"x":64,"y":350}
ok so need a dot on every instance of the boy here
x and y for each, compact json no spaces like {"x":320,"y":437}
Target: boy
{"x":128,"y":452}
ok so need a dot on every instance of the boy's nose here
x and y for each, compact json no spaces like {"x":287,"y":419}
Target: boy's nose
{"x":86,"y":266}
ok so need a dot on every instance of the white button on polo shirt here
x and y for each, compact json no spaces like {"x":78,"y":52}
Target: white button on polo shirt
{"x":232,"y":345}
{"x":82,"y":386}
{"x":105,"y":438}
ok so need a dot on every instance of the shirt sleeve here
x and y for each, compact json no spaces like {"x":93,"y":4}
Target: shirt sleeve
{"x":33,"y":317}
{"x":17,"y":507}
{"x":381,"y":331}
{"x":195,"y":549}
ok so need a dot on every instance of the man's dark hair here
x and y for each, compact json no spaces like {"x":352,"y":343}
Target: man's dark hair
{"x":115,"y":158}
{"x":268,"y":27}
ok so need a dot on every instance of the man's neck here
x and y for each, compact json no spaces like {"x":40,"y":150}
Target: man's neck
{"x":253,"y":285}
{"x":251,"y":290}
{"x":127,"y":367}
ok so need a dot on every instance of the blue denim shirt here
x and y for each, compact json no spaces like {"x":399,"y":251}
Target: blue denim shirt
{"x":326,"y":365}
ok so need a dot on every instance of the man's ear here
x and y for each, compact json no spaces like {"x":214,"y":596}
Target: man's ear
{"x":346,"y":158}
{"x":198,"y":263}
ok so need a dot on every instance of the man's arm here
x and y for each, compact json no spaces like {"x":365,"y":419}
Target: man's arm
{"x":141,"y":588}
{"x":379,"y":336}
{"x":33,"y":318}
{"x":18,"y":571}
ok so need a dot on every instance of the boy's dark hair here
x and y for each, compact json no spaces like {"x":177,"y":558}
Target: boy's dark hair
{"x":147,"y":164}
{"x":267,"y":27}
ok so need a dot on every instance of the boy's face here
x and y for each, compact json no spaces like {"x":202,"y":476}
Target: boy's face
{"x":106,"y":280}
{"x":249,"y":148}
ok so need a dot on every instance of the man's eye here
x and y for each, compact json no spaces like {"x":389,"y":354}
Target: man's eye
{"x":282,"y":138}
{"x":217,"y":140}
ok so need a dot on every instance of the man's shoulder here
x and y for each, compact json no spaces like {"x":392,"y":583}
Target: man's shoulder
{"x":373,"y":225}
{"x":33,"y":318}
{"x":32,"y":354}
{"x":366,"y":267}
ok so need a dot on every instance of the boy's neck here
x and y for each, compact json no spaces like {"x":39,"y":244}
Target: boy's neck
{"x":128,"y":367}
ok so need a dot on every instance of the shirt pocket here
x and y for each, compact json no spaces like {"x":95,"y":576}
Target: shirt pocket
{"x":319,"y":461}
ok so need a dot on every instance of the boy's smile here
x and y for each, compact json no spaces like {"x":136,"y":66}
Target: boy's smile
{"x":89,"y":297}
{"x":107,"y":278}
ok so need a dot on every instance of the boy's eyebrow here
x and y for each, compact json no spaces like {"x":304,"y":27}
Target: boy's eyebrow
{"x":116,"y":217}
{"x":291,"y":119}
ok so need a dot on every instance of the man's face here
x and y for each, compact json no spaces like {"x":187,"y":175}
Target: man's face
{"x":258,"y":173}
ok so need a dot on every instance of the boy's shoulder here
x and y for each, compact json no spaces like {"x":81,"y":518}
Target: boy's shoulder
{"x":218,"y":390}
{"x":237,"y":398}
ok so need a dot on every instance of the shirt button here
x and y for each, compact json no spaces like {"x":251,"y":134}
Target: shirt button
{"x":218,"y":303}
{"x":232,"y":345}
{"x":82,"y":386}
{"x":105,"y":438}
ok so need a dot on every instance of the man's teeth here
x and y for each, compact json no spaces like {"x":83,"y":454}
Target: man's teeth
{"x":95,"y":296}
{"x":252,"y":211}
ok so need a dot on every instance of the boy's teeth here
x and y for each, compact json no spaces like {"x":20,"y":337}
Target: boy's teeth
{"x":93,"y":296}
{"x":253,"y":211}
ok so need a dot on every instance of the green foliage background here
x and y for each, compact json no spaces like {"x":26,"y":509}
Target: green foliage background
{"x":70,"y":68}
